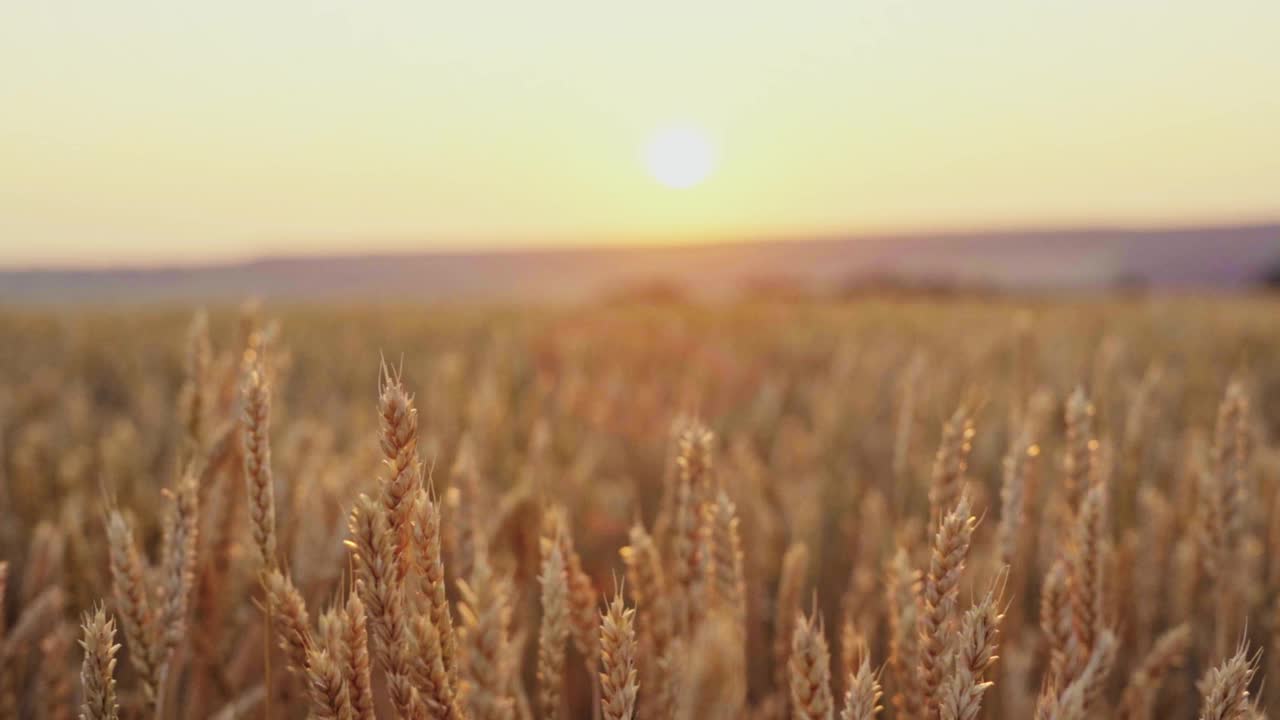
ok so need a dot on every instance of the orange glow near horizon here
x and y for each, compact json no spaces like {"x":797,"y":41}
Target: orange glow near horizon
{"x":148,"y":132}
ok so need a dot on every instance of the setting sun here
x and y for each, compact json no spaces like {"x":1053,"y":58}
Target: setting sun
{"x":679,"y":157}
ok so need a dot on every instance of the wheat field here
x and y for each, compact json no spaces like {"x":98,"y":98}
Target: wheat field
{"x":896,"y":508}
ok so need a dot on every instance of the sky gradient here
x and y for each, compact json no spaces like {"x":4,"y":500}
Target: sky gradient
{"x":153,"y":132}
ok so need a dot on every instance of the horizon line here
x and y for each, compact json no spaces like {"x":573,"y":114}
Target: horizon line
{"x":497,"y":247}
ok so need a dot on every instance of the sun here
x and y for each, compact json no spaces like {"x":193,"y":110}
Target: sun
{"x":679,"y":157}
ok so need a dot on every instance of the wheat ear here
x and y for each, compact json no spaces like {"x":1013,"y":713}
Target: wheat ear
{"x":485,"y":613}
{"x":946,"y":482}
{"x":257,"y":465}
{"x":97,"y":673}
{"x":941,"y":593}
{"x":553,"y":634}
{"x":862,"y":698}
{"x":427,"y":549}
{"x":1084,"y":582}
{"x":354,"y":637}
{"x":973,"y":653}
{"x":1138,"y":700}
{"x":327,"y":688}
{"x":1226,"y":687}
{"x":810,"y":672}
{"x":291,"y":619}
{"x":133,"y":603}
{"x":1077,"y":461}
{"x":791,"y":585}
{"x":619,"y":682}
{"x":902,"y":596}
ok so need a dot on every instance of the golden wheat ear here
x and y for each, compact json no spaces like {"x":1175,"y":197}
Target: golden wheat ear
{"x":256,"y":439}
{"x":553,"y":634}
{"x":940,"y":598}
{"x":1225,"y":687}
{"x":1138,"y":700}
{"x":132,"y":598}
{"x":809,"y":671}
{"x":98,"y":672}
{"x":619,"y":679}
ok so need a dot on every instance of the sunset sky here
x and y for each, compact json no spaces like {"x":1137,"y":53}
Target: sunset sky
{"x":155,"y":132}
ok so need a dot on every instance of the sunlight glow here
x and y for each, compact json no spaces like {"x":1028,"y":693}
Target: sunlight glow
{"x":680,"y":157}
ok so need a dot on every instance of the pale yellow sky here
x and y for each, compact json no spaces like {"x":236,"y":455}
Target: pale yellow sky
{"x":151,"y":131}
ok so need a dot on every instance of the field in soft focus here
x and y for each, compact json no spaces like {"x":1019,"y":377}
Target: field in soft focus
{"x":826,"y":420}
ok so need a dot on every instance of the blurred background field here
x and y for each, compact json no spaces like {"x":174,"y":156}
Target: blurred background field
{"x":826,"y":416}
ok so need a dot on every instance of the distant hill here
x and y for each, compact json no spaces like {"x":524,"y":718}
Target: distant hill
{"x":1207,"y":257}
